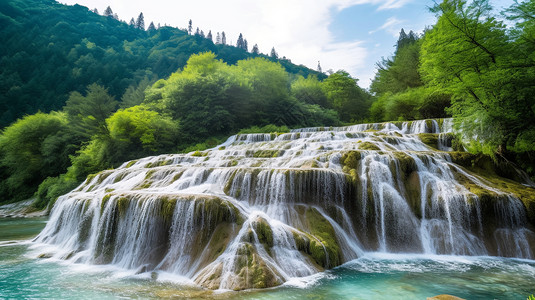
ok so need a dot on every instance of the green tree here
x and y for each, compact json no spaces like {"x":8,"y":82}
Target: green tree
{"x":469,"y":54}
{"x":87,"y":114}
{"x":346,"y":97}
{"x":309,"y":90}
{"x":32,"y":149}
{"x":140,"y":22}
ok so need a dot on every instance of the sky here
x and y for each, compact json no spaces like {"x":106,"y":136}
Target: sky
{"x":350,"y":35}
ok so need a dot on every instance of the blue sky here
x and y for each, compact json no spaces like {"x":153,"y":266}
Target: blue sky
{"x":342,"y":34}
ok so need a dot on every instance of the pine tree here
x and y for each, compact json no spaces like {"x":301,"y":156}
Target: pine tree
{"x":239,"y":43}
{"x":140,"y":23}
{"x":209,"y":36}
{"x":151,"y":27}
{"x":108,"y":12}
{"x":274,"y":53}
{"x":255,"y":49}
{"x":190,"y":27}
{"x":223,"y":38}
{"x":319,"y":67}
{"x":197,"y":32}
{"x":116,"y":16}
{"x":132,"y":22}
{"x":218,"y":39}
{"x":95,"y":11}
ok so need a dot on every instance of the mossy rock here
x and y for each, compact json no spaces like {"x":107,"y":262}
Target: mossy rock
{"x":368,"y":146}
{"x":430,"y":139}
{"x":323,"y":246}
{"x":405,"y":162}
{"x":263,"y":232}
{"x":351,"y":159}
{"x":131,"y":163}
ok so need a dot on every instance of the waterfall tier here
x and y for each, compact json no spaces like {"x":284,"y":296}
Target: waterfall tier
{"x":263,"y":208}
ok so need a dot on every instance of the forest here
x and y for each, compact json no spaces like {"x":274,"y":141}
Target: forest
{"x":98,"y":92}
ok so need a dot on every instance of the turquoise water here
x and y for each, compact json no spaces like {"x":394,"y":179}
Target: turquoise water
{"x":376,"y":276}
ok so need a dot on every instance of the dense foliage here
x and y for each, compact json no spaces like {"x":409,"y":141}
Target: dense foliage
{"x":195,"y":108}
{"x":474,"y":67}
{"x":50,"y":50}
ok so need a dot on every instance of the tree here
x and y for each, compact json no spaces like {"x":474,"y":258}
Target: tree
{"x":197,"y":32}
{"x":223,"y":38}
{"x":209,"y":35}
{"x":140,"y":22}
{"x":245,"y":45}
{"x":240,"y":43}
{"x":95,"y":10}
{"x":319,"y":67}
{"x":108,"y":12}
{"x":218,"y":39}
{"x":32,"y":149}
{"x":132,"y":22}
{"x":469,"y":54}
{"x":309,"y":91}
{"x":151,"y":28}
{"x":255,"y":50}
{"x":87,"y":114}
{"x":346,"y":97}
{"x":190,"y":27}
{"x":274,"y":53}
{"x":202,"y":34}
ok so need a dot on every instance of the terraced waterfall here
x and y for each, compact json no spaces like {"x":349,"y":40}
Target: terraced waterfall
{"x":263,"y":208}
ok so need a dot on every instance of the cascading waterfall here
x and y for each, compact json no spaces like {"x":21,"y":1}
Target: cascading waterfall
{"x":263,"y":208}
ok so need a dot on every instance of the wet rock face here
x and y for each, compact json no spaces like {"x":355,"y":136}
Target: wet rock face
{"x":264,"y":208}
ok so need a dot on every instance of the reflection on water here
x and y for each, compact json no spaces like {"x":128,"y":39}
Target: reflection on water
{"x":374,"y":276}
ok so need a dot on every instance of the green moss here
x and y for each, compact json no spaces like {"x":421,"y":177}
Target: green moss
{"x":120,"y":177}
{"x":324,"y":248}
{"x":167,"y":208}
{"x":233,"y":163}
{"x":265,"y":153}
{"x":149,"y":174}
{"x":131,"y":163}
{"x":430,"y":139}
{"x":368,"y":146}
{"x":351,"y":159}
{"x":264,"y":233}
{"x":221,"y":148}
{"x":405,"y":162}
{"x":349,"y":135}
{"x":200,"y":153}
{"x":122,"y":205}
{"x":104,"y":201}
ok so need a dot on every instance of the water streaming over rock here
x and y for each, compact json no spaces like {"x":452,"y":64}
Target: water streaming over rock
{"x":263,"y":208}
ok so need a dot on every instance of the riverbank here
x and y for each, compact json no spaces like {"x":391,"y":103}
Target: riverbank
{"x":22,"y":209}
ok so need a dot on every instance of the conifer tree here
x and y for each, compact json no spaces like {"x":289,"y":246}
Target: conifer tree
{"x":245,"y":45}
{"x":202,"y":34}
{"x":218,"y":39}
{"x":108,"y":12}
{"x":239,"y":43}
{"x":140,"y":23}
{"x":274,"y":53}
{"x":319,"y":67}
{"x":132,"y":22}
{"x":151,"y":27}
{"x":190,"y":27}
{"x":209,"y":35}
{"x":95,"y":11}
{"x":197,"y":32}
{"x":223,"y":38}
{"x":255,"y":49}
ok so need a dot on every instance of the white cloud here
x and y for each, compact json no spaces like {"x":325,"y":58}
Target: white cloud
{"x":391,"y":26}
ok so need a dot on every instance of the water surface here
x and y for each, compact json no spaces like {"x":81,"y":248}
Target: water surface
{"x":375,"y":276}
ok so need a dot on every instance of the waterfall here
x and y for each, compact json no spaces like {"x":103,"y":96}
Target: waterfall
{"x":261,"y":209}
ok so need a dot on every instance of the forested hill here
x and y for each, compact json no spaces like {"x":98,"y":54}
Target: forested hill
{"x":49,"y":50}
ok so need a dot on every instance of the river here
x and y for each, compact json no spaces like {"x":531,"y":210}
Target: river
{"x":373,"y":276}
